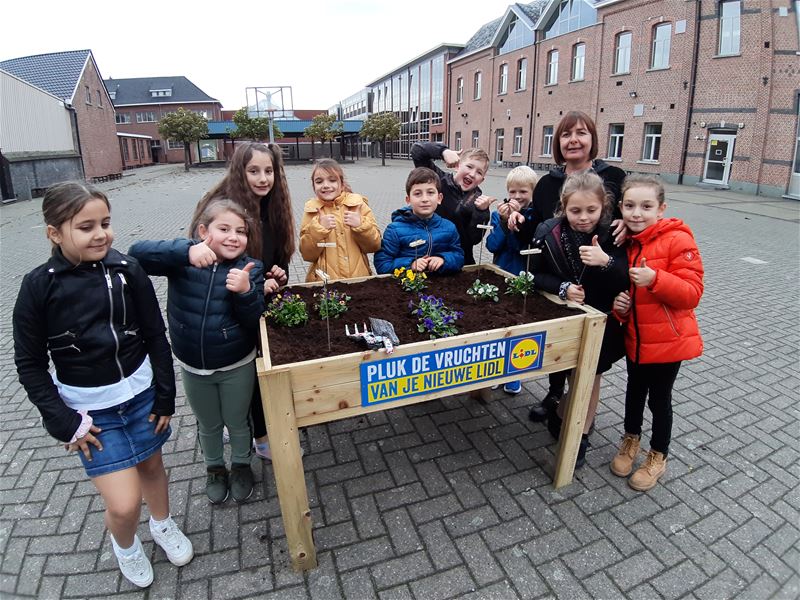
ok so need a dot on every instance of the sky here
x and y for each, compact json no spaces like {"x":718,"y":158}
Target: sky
{"x":325,"y":50}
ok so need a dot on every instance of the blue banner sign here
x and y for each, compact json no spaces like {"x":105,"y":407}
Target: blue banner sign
{"x":396,"y":378}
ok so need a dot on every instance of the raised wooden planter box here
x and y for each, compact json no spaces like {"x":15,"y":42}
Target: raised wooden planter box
{"x":317,"y":391}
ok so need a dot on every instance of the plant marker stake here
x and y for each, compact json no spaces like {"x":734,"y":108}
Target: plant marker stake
{"x":416,"y":244}
{"x":324,"y":276}
{"x":480,"y":252}
{"x":527,"y":254}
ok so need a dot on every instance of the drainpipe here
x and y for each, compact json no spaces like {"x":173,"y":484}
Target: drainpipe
{"x":692,"y":85}
{"x":74,"y":120}
{"x":533,"y":99}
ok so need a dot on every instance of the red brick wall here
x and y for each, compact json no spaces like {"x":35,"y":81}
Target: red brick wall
{"x":96,"y":128}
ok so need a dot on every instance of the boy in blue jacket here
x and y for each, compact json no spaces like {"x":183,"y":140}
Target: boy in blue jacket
{"x":501,"y":242}
{"x":440,"y":251}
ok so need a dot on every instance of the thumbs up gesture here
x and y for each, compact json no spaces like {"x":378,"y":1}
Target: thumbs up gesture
{"x":238,"y":280}
{"x":201,"y":255}
{"x":352,"y":216}
{"x":327,"y":221}
{"x":642,"y":276}
{"x":593,"y":256}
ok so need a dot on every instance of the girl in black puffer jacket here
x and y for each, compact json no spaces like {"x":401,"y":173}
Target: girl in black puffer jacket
{"x":215,"y":300}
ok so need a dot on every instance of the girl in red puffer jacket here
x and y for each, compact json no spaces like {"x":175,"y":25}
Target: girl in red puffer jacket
{"x":666,"y":275}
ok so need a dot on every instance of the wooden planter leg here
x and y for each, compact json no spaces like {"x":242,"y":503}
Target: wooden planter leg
{"x":284,"y":441}
{"x":580,"y":388}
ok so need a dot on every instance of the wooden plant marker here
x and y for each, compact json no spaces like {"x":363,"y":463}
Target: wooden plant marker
{"x":416,"y":244}
{"x":527,"y":254}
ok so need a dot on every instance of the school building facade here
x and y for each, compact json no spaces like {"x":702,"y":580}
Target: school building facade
{"x":701,"y":91}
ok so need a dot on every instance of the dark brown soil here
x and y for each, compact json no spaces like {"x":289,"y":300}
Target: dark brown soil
{"x":383,"y":298}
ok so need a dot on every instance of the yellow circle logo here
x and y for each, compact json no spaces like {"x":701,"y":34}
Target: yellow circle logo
{"x":524,"y":354}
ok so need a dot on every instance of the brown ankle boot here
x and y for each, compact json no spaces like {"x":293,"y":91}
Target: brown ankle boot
{"x":622,"y":465}
{"x":647,"y":476}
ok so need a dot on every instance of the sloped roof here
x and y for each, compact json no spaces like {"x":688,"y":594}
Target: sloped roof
{"x":137,"y":90}
{"x":57,"y":72}
{"x":533,"y":10}
{"x":484,"y":36}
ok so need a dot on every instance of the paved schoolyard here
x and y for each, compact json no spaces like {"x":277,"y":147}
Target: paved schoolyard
{"x":452,"y":498}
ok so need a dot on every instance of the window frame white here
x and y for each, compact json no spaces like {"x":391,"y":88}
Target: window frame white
{"x":621,"y":52}
{"x":661,"y":46}
{"x":552,"y":67}
{"x":616,"y":140}
{"x":732,"y":24}
{"x":547,"y":140}
{"x":502,"y":79}
{"x":651,"y":148}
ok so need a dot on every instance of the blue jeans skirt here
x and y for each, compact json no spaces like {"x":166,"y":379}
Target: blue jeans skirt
{"x":128,"y":438}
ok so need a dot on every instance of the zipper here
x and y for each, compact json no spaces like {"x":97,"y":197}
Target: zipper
{"x":67,"y":333}
{"x":671,"y":322}
{"x":430,"y":239}
{"x":73,"y":346}
{"x":633,"y":310}
{"x":110,"y":285}
{"x":132,"y":332}
{"x":124,"y":307}
{"x":203,"y":321}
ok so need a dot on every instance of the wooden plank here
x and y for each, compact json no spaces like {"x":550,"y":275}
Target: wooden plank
{"x":313,"y":403}
{"x":580,"y":388}
{"x":287,"y":463}
{"x":262,"y":332}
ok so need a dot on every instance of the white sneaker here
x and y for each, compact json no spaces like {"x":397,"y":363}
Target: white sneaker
{"x":136,"y":568}
{"x":175,"y":544}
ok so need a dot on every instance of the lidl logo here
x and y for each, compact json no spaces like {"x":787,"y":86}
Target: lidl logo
{"x":524,"y":354}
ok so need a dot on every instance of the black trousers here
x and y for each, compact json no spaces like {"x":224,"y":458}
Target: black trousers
{"x":258,"y":423}
{"x":656,"y":381}
{"x":558,"y":381}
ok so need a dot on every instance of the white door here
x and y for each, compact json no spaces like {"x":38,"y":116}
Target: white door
{"x":719,"y":157}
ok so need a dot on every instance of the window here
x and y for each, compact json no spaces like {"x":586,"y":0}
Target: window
{"x":134,"y":150}
{"x":502,"y":85}
{"x":499,"y":139}
{"x":517,"y":150}
{"x":476,"y":93}
{"x":661,"y":40}
{"x":123,"y":145}
{"x":458,"y":141}
{"x":547,"y":140}
{"x":517,"y":35}
{"x":552,"y":67}
{"x":160,"y":93}
{"x":99,"y":99}
{"x":122,"y":118}
{"x":622,"y":53}
{"x":459,"y":90}
{"x":175,"y":145}
{"x":112,"y":95}
{"x":652,"y":141}
{"x":522,"y":73}
{"x":475,"y":139}
{"x":729,"y":27}
{"x":571,"y":15}
{"x":88,"y":94}
{"x":616,"y":134}
{"x":146,"y":117}
{"x":578,"y":61}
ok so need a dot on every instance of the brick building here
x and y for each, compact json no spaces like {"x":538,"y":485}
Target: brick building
{"x":702,"y":91}
{"x":74,"y":77}
{"x":141,"y":103}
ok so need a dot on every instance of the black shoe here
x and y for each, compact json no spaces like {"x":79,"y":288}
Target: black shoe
{"x":217,"y":484}
{"x":241,"y":482}
{"x":581,"y":460}
{"x":539,"y":412}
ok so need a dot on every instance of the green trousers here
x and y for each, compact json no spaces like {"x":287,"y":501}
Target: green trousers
{"x":222,"y":398}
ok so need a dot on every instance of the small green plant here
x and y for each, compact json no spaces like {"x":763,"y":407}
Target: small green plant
{"x":331,"y":304}
{"x":483,"y":291}
{"x":434,"y":317}
{"x":287,"y":310}
{"x":521,"y":285}
{"x":411,"y":281}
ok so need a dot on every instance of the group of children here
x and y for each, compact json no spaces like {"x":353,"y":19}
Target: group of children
{"x":94,"y":313}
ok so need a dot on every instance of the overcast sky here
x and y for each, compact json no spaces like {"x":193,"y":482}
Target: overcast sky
{"x":325,"y":50}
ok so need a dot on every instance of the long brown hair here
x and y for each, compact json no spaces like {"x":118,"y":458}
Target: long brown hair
{"x":278,"y":202}
{"x":65,"y":200}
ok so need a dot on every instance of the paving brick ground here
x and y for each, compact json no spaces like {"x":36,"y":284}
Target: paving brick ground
{"x":452,"y":498}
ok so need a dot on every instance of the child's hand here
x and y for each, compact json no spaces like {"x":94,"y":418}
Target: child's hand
{"x":622,"y":304}
{"x":421,"y":264}
{"x":238,"y":280}
{"x":515,"y":219}
{"x":593,"y":255}
{"x":643,"y":275}
{"x":161,"y":424}
{"x":575,"y":293}
{"x":619,"y":231}
{"x":504,"y":209}
{"x":201,"y":256}
{"x":82,"y":444}
{"x":451,"y":158}
{"x":483,"y":202}
{"x":277,"y":274}
{"x":435,"y":263}
{"x":352,"y":216}
{"x":327,"y":221}
{"x":271,"y":286}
